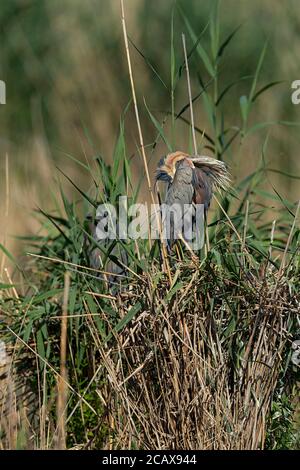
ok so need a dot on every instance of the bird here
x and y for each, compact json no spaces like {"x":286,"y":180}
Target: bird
{"x":191,"y":180}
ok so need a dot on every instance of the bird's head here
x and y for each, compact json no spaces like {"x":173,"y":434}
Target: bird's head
{"x":167,"y":166}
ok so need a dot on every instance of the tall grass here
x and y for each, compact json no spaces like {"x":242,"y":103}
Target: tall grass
{"x":199,"y":358}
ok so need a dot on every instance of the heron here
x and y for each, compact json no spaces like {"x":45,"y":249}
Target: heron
{"x":190,"y":180}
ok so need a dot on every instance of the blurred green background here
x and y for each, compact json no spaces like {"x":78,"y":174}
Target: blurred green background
{"x":66,"y":75}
